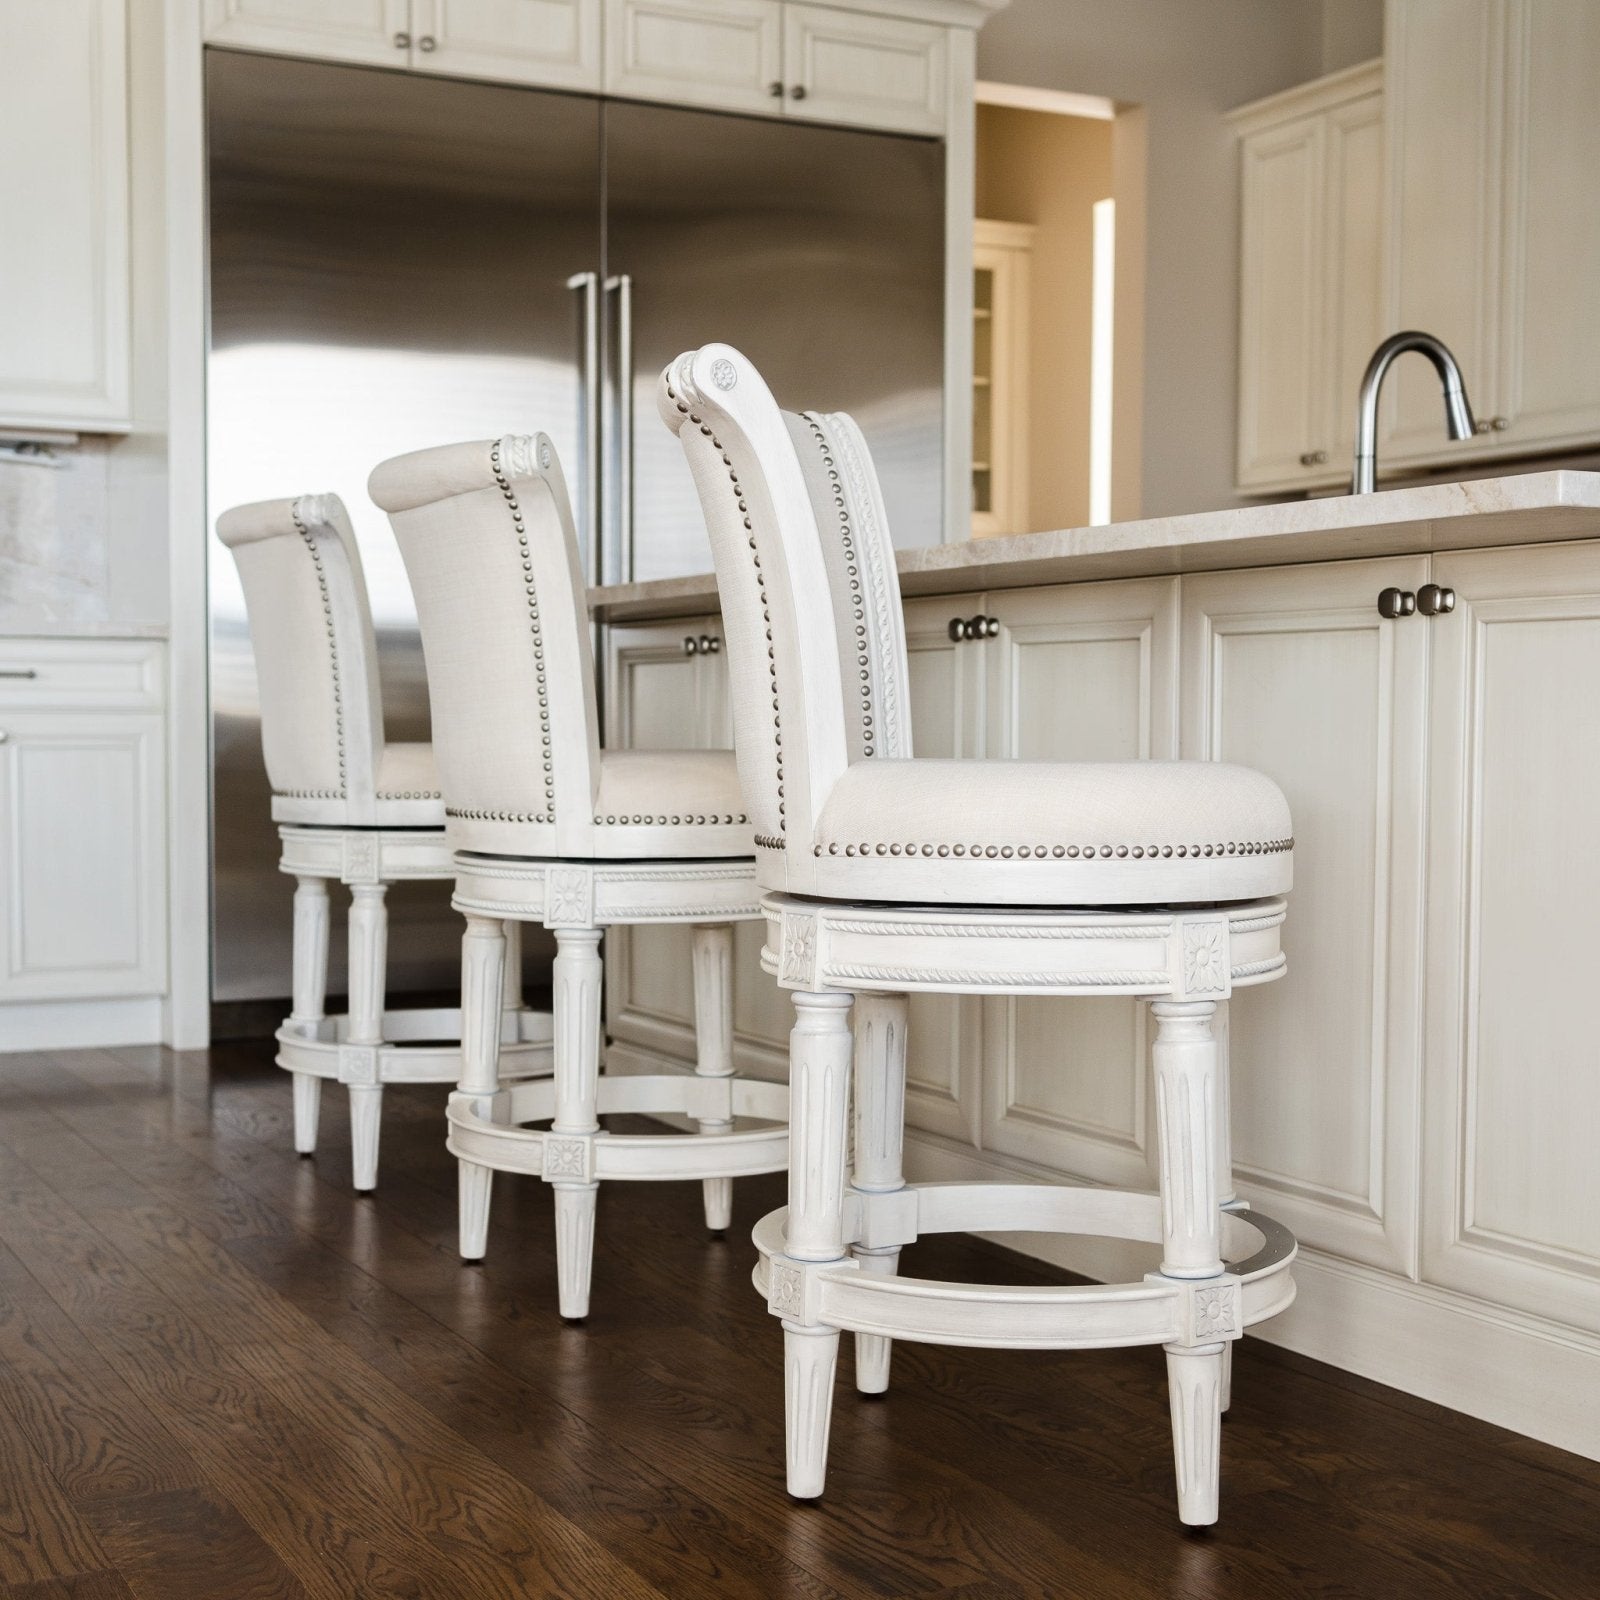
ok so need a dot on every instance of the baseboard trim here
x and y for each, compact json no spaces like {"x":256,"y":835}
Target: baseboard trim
{"x":80,"y":1024}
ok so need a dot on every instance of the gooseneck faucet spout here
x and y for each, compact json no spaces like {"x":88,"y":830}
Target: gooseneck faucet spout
{"x":1457,"y":411}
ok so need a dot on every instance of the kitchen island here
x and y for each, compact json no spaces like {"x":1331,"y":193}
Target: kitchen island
{"x":1419,"y":1099}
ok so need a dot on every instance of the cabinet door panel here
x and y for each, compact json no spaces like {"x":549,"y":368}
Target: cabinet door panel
{"x":1282,"y":272}
{"x":82,"y":820}
{"x":1293,"y":672}
{"x":64,"y":205}
{"x":942,"y":1057}
{"x":726,"y":54}
{"x":875,"y":72}
{"x":553,"y":43}
{"x":1080,"y":674}
{"x":1512,"y":1103}
{"x":328,"y":30}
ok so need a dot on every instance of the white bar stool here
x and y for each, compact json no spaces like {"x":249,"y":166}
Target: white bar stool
{"x":550,"y":828}
{"x":354,"y":810}
{"x":887,"y":875}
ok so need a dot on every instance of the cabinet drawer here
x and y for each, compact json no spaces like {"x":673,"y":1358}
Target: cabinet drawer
{"x":720,"y":53}
{"x":80,"y":675}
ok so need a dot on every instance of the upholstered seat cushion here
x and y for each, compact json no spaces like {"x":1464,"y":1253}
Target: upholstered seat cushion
{"x":407,"y":795}
{"x":1044,"y":833}
{"x":683,"y":804}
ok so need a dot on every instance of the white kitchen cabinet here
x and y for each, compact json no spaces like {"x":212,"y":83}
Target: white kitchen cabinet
{"x":82,"y":821}
{"x":1311,"y":206}
{"x":1494,"y":121}
{"x":876,"y":72}
{"x":64,"y":320}
{"x":1292,"y":671}
{"x":1511,"y":1183}
{"x":727,"y":54}
{"x":1002,"y":272}
{"x":374,"y":31}
{"x":550,"y":43}
{"x":1084,"y":673}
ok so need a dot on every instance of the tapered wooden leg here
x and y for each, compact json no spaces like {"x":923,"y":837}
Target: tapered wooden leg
{"x":311,"y":921}
{"x":880,"y":1109}
{"x":819,"y":1085}
{"x":1187,"y":1125}
{"x":511,"y":984}
{"x":368,"y":957}
{"x":1227,"y":1195}
{"x":713,"y":1027}
{"x":483,"y":962}
{"x":577,"y":1073}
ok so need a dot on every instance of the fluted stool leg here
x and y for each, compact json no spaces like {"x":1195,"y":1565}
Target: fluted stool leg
{"x":819,"y":1099}
{"x":311,"y":923}
{"x":484,"y":948}
{"x":1227,"y":1195}
{"x":713,"y":1026}
{"x":880,"y":1111}
{"x":569,"y":1150}
{"x":1188,"y":1126}
{"x":368,"y":956}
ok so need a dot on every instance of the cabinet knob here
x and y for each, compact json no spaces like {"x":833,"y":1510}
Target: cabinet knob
{"x":1491,"y":424}
{"x":1396,"y":603}
{"x":978,"y":627}
{"x":798,"y":92}
{"x":427,"y":42}
{"x":3,"y":735}
{"x":1313,"y":458}
{"x":691,"y":645}
{"x":708,"y":645}
{"x":775,"y":89}
{"x":402,"y":41}
{"x":957,"y":630}
{"x":1433,"y":601}
{"x":19,"y":672}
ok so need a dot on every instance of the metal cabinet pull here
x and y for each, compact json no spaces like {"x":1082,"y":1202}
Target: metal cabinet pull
{"x":1491,"y":424}
{"x":426,"y":42}
{"x":19,"y":672}
{"x":1434,"y":601}
{"x":956,"y":631}
{"x":402,"y":41}
{"x":775,"y":89}
{"x":708,"y":645}
{"x":3,"y":735}
{"x":691,"y":646}
{"x":1313,"y":458}
{"x":1396,"y":603}
{"x":978,"y":627}
{"x":798,"y":92}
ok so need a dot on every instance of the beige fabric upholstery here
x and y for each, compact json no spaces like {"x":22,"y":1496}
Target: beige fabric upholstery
{"x":487,"y":536}
{"x":317,"y":668}
{"x":777,"y":492}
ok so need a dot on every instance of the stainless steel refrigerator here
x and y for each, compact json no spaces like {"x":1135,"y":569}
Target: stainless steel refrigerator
{"x":399,"y":260}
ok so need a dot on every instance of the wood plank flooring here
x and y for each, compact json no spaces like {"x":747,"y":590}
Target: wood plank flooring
{"x":223,"y":1375}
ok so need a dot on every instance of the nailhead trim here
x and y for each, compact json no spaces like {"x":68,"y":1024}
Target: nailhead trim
{"x":409,"y":794}
{"x":333,"y":658}
{"x":852,"y":572}
{"x":1070,"y":852}
{"x":761,"y":589}
{"x":473,"y":814}
{"x":309,"y":794}
{"x":765,"y":841}
{"x":548,"y":814}
{"x":679,"y":822}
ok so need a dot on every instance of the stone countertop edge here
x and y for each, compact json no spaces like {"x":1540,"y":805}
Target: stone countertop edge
{"x":1523,"y":508}
{"x":13,"y":629}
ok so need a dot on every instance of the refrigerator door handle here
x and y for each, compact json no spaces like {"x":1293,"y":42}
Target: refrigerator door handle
{"x":622,"y":286}
{"x":588,"y":285}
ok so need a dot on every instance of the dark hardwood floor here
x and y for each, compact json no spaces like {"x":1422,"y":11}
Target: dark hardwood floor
{"x":221,"y":1374}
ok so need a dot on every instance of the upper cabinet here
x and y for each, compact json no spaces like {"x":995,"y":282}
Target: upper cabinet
{"x":64,"y":189}
{"x":1311,"y":171}
{"x":878,"y":72}
{"x":727,"y":54}
{"x":1495,"y":121}
{"x":555,"y":43}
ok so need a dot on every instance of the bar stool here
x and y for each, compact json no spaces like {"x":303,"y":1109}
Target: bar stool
{"x":886,"y":875}
{"x":549,"y":828}
{"x":355,"y":810}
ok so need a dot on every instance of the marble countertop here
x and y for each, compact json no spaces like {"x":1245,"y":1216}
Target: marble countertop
{"x":1527,"y":508}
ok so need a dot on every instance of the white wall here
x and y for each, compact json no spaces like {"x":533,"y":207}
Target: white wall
{"x":1185,"y":64}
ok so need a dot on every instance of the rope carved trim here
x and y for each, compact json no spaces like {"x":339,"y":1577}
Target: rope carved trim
{"x":333,"y":659}
{"x":524,"y":466}
{"x":1069,"y":852}
{"x":761,"y":590}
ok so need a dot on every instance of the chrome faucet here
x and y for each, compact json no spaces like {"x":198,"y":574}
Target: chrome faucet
{"x":1457,"y":412}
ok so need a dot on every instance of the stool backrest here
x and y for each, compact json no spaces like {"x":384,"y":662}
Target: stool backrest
{"x":486,"y":533}
{"x":793,"y":733}
{"x":311,"y":633}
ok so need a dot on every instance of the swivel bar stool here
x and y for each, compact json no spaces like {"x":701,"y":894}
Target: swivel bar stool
{"x":886,"y":874}
{"x":550,"y":828}
{"x":353,"y":809}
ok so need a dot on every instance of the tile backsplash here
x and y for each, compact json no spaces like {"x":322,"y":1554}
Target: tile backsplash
{"x":54,"y":545}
